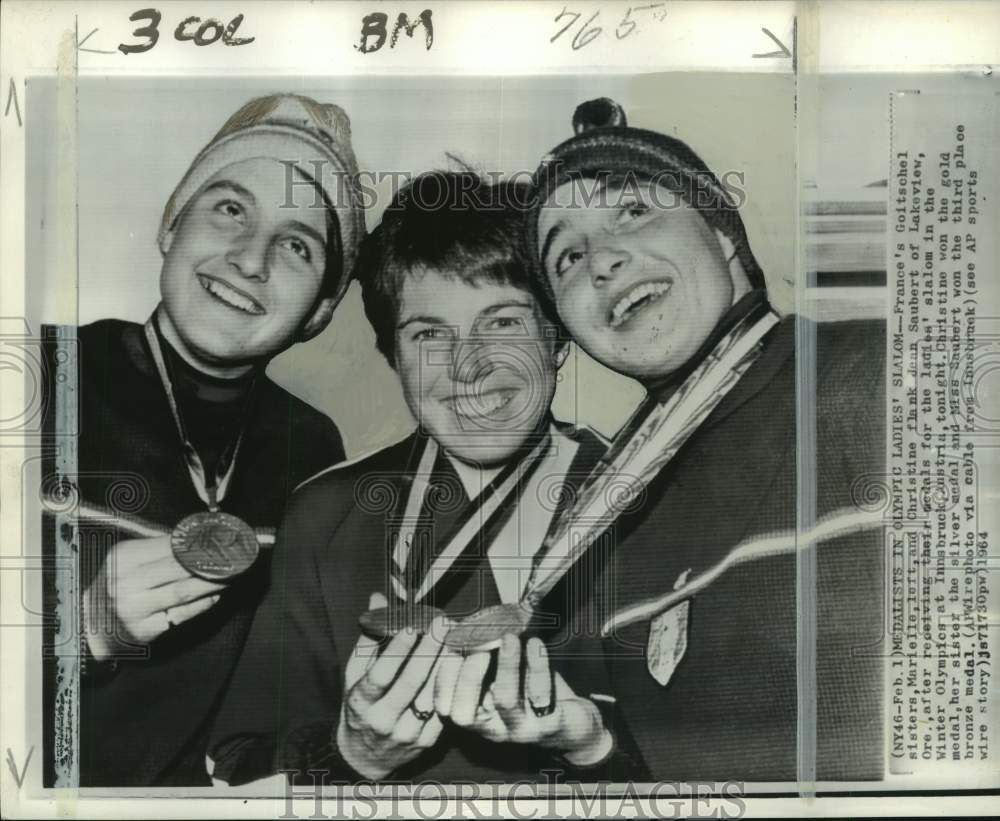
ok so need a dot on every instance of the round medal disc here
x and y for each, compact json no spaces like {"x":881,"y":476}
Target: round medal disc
{"x":385,"y":622}
{"x":214,"y":545}
{"x":483,"y":630}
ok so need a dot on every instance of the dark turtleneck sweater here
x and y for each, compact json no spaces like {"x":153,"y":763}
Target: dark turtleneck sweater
{"x":211,"y":407}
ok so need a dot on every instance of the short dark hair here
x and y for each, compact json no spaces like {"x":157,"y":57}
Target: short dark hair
{"x":451,"y":222}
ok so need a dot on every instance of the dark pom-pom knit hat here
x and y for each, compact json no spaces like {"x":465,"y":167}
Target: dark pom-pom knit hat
{"x":605,"y":146}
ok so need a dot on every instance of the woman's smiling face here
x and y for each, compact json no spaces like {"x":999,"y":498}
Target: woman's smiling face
{"x":241,"y":271}
{"x":476,"y":362}
{"x":639,"y":276}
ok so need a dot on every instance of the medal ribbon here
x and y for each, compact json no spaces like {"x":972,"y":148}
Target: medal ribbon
{"x":839,"y":523}
{"x":213,"y":494}
{"x":627,"y":471}
{"x":133,"y":526}
{"x":491,"y":499}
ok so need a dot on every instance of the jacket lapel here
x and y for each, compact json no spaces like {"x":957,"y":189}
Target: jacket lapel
{"x":779,"y":345}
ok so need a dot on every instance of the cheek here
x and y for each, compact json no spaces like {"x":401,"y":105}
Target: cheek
{"x":410,"y":388}
{"x":173,"y":282}
{"x":414,"y":379}
{"x":578,"y":308}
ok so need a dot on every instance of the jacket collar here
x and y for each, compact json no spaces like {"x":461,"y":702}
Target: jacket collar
{"x":779,"y":347}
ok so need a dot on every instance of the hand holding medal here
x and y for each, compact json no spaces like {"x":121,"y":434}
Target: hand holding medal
{"x":387,"y":716}
{"x":140,"y":593}
{"x":528,"y":703}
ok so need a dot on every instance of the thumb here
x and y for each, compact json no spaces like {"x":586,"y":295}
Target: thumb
{"x":366,"y":645}
{"x":563,"y":691}
{"x":366,"y":648}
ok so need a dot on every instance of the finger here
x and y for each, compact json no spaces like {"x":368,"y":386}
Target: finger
{"x":430,"y":732}
{"x":562,"y":690}
{"x":362,"y":658}
{"x":164,"y":570}
{"x":424,"y":700}
{"x":132,"y":553}
{"x":468,"y":687}
{"x":507,"y":687}
{"x":186,"y":612}
{"x":448,"y":669}
{"x":380,"y":675}
{"x":403,"y":728}
{"x":366,"y":645}
{"x":538,"y":683}
{"x":488,"y":721}
{"x":130,"y":566}
{"x":178,"y":593}
{"x":148,"y":628}
{"x":487,"y":704}
{"x":417,"y":671}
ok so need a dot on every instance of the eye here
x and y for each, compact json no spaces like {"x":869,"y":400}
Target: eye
{"x":566,"y":260}
{"x":232,"y":209}
{"x":297,"y":247}
{"x":505,"y":323}
{"x":433,"y":332}
{"x":631,"y":210}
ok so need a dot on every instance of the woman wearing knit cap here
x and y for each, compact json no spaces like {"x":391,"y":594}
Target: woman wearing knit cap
{"x":258,"y":242}
{"x":705,"y":623}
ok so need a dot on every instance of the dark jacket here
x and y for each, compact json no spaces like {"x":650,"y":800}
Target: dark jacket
{"x":332,"y":554}
{"x":729,"y":710}
{"x":147,"y":722}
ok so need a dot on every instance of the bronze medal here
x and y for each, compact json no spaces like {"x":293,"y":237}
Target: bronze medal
{"x":385,"y":622}
{"x":483,"y":630}
{"x":214,"y":545}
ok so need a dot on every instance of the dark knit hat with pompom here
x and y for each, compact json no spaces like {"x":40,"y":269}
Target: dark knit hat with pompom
{"x":606,"y":147}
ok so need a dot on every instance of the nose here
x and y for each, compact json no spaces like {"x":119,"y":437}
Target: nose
{"x":473,"y":358}
{"x":250,"y":256}
{"x":606,"y":263}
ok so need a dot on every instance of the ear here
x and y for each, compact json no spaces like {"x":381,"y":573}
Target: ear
{"x":741,"y":282}
{"x":319,"y":319}
{"x":166,"y":241}
{"x":560,"y":355}
{"x":728,"y":248}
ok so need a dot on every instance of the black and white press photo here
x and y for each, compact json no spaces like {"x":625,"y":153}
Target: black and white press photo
{"x":583,"y":431}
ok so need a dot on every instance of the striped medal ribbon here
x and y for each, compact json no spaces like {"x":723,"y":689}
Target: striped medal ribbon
{"x":618,"y":482}
{"x":411,"y":613}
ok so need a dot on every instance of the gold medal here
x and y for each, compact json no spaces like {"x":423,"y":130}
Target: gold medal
{"x":385,"y":622}
{"x":214,"y":545}
{"x":483,"y":631}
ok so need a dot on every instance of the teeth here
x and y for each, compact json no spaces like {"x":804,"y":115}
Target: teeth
{"x":229,"y":296}
{"x":480,"y":405}
{"x":645,"y":291}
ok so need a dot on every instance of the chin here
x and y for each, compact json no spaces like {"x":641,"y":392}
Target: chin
{"x":487,"y":456}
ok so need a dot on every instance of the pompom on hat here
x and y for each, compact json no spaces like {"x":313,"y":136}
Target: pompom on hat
{"x":317,"y":138}
{"x":606,"y":147}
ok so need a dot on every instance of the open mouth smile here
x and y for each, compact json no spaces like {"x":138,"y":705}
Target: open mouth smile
{"x":478,"y":405}
{"x":228,"y":295}
{"x":637,"y":300}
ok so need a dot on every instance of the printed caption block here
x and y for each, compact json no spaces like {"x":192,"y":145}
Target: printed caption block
{"x":943,"y":459}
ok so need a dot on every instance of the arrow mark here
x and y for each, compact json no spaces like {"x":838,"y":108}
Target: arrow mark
{"x":18,"y":776}
{"x":783,"y":52}
{"x":80,"y":47}
{"x":12,"y":98}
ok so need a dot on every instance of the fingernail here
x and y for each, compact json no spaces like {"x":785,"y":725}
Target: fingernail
{"x":439,"y":628}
